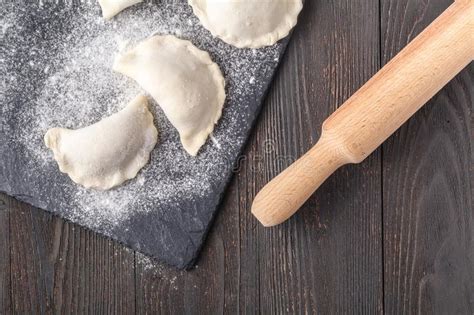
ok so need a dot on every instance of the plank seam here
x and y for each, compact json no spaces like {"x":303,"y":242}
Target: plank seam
{"x":382,"y":234}
{"x":135,"y":286}
{"x":10,"y":256}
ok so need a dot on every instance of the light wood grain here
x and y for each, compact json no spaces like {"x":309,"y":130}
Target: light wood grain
{"x":374,"y":112}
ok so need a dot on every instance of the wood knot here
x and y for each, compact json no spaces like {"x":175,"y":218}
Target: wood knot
{"x":3,"y":205}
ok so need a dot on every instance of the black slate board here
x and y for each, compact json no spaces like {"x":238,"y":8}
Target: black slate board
{"x":167,"y":210}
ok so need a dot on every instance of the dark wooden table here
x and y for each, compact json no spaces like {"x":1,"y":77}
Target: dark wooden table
{"x":394,"y":234}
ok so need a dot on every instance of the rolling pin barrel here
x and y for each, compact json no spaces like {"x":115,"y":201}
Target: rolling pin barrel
{"x":376,"y":111}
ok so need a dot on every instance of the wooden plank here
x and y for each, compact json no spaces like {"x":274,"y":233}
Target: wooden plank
{"x":327,"y":258}
{"x":5,"y":292}
{"x":57,"y":267}
{"x":428,"y":186}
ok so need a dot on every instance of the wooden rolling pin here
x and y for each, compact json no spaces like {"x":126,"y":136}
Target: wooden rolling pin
{"x":376,"y":111}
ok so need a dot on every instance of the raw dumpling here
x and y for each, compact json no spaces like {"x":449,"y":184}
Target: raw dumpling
{"x":111,"y":7}
{"x":183,"y":80}
{"x":248,"y":23}
{"x":108,"y":152}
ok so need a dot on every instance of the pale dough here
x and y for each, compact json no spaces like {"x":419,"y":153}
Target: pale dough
{"x":248,"y":23}
{"x":108,"y":152}
{"x":183,"y":80}
{"x":111,"y":7}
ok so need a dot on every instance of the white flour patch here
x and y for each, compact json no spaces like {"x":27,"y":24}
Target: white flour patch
{"x":164,"y":274}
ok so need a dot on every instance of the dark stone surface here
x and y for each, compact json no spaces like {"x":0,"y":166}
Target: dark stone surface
{"x":175,"y":232}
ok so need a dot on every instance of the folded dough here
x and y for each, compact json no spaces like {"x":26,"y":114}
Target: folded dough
{"x":111,"y":7}
{"x":248,"y":23}
{"x":183,"y":80}
{"x":108,"y":152}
